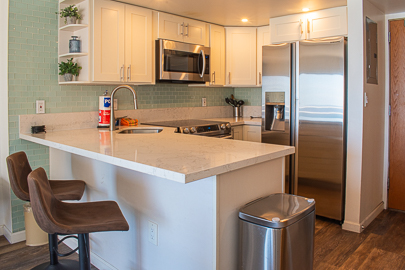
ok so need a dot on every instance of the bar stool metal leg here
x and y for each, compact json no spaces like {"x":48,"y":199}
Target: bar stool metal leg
{"x":84,"y":251}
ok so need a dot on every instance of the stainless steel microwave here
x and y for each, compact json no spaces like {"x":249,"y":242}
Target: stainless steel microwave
{"x":182,"y":62}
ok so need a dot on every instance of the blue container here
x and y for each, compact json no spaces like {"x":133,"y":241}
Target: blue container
{"x":74,"y":45}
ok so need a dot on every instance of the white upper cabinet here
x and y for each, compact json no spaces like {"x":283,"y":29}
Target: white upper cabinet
{"x":109,"y":22}
{"x":327,"y":23}
{"x":122,"y":43}
{"x":287,"y":28}
{"x":240,"y":56}
{"x":217,"y":54}
{"x":181,"y":29}
{"x":263,"y":38}
{"x":138,"y":44}
{"x":318,"y":24}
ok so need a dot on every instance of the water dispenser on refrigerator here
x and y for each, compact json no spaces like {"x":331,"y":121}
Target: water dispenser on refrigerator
{"x":274,"y":111}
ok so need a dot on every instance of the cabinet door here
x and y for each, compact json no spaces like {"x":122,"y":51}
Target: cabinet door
{"x":217,"y":54}
{"x":194,"y":32}
{"x":327,"y":23}
{"x":138,"y":44}
{"x":237,"y":133}
{"x":170,"y":27}
{"x":240,"y":55}
{"x":263,"y":38}
{"x":287,"y":28}
{"x":252,"y":133}
{"x":108,"y":40}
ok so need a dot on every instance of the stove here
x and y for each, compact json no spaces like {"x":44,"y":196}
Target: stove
{"x":200,"y":127}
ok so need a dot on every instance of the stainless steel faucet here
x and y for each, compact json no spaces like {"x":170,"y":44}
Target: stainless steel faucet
{"x":112,"y":118}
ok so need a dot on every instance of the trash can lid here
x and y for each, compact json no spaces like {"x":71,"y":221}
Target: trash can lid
{"x":277,"y":210}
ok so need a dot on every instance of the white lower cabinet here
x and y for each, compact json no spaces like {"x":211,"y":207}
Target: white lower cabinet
{"x":237,"y":132}
{"x":252,"y":133}
{"x":247,"y":133}
{"x":122,"y":43}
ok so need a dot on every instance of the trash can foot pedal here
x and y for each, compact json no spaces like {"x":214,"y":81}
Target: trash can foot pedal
{"x":61,"y":265}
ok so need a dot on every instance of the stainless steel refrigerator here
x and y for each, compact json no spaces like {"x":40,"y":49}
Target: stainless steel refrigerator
{"x":304,"y":105}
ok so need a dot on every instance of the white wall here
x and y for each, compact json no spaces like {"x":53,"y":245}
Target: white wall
{"x":373,"y":127}
{"x":5,"y":207}
{"x":355,"y":115}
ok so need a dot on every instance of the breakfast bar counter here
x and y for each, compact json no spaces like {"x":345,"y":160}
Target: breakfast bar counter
{"x":191,"y":187}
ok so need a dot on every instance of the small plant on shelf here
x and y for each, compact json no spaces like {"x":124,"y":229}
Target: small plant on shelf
{"x":70,"y":13}
{"x":68,"y":69}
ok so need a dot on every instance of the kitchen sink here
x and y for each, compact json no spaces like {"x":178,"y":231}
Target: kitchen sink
{"x":140,"y":130}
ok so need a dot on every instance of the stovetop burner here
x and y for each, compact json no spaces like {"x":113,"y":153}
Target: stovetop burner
{"x":197,"y":127}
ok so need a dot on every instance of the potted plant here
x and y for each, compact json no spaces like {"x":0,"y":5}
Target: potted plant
{"x":71,"y":14}
{"x":68,"y":69}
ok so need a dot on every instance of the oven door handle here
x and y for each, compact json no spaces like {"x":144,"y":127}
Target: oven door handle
{"x":203,"y":68}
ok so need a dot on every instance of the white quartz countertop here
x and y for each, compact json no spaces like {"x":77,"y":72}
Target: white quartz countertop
{"x":178,"y":157}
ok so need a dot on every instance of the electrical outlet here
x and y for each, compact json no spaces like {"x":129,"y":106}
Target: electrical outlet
{"x":204,"y":102}
{"x":40,"y":107}
{"x":153,"y":233}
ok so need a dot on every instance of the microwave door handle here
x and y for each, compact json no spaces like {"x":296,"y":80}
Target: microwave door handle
{"x":203,"y":68}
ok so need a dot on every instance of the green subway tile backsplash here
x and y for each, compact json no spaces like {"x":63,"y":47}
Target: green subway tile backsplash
{"x":33,"y":72}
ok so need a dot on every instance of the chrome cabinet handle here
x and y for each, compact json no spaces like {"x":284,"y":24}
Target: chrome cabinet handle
{"x":302,"y":30}
{"x":129,"y":73}
{"x":260,"y":78}
{"x":229,"y":77}
{"x":203,"y":58}
{"x":187,"y":30}
{"x":122,"y":73}
{"x":182,"y":29}
{"x":308,"y":26}
{"x":213,"y":77}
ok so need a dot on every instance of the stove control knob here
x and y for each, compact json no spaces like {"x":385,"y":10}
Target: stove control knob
{"x":193,"y":130}
{"x":223,"y":126}
{"x":186,"y":131}
{"x":228,"y":126}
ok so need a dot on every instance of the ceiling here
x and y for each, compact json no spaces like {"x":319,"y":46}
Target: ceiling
{"x":231,"y":12}
{"x":258,"y":12}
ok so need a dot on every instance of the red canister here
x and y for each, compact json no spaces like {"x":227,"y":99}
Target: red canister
{"x":104,"y":109}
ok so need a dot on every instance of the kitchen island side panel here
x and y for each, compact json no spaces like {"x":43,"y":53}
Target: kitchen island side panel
{"x":197,"y":222}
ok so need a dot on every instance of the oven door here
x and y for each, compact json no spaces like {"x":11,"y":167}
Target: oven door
{"x":180,"y":61}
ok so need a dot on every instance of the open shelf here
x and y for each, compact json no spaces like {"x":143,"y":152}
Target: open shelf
{"x":73,"y":27}
{"x":73,"y":54}
{"x":70,"y":2}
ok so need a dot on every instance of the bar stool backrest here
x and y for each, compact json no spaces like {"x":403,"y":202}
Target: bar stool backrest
{"x":18,"y":170}
{"x":43,"y":201}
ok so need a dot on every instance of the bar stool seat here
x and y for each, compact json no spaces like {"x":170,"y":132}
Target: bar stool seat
{"x":57,"y":217}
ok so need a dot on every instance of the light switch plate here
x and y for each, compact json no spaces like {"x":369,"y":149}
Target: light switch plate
{"x":40,"y":106}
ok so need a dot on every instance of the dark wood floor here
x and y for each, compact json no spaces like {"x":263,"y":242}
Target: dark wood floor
{"x":380,"y":246}
{"x":21,"y":257}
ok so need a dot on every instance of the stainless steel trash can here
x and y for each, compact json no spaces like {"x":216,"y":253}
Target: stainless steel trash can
{"x":277,"y":233}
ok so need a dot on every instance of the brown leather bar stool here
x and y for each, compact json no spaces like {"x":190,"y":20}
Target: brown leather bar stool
{"x":18,"y":171}
{"x":57,"y":217}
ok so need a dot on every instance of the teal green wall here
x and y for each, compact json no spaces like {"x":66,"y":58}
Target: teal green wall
{"x":33,"y":75}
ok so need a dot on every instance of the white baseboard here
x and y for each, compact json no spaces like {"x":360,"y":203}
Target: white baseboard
{"x":359,"y":227}
{"x":2,"y":230}
{"x":351,"y":226}
{"x":95,"y":260}
{"x":13,"y":238}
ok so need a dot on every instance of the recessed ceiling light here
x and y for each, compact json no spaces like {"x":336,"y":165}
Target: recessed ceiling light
{"x":305,"y":9}
{"x":245,"y":20}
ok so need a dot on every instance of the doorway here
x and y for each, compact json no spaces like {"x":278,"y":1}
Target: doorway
{"x":396,"y":188}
